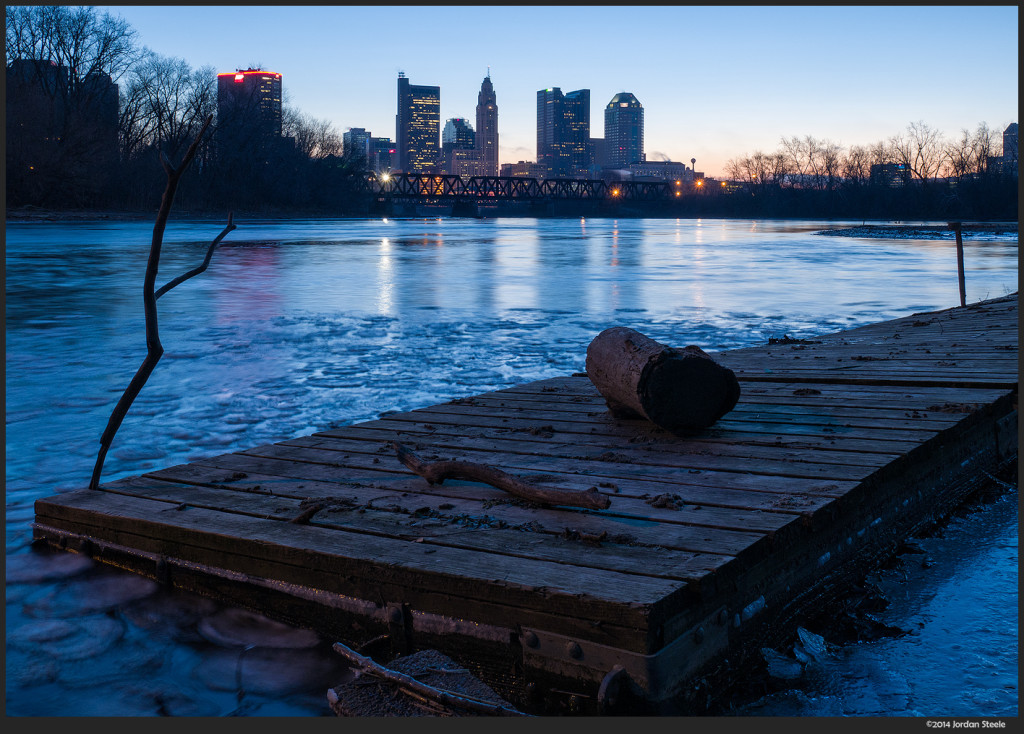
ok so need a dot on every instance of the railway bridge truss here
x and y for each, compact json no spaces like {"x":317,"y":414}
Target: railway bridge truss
{"x":483,"y":189}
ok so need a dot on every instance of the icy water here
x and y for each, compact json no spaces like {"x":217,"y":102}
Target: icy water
{"x":304,"y":325}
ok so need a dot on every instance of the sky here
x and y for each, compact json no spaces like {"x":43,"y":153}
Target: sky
{"x":716,"y":83}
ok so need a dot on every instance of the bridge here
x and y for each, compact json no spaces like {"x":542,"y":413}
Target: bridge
{"x":483,"y":189}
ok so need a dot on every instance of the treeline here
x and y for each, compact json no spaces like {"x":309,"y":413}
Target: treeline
{"x":70,"y":146}
{"x":915,"y":174}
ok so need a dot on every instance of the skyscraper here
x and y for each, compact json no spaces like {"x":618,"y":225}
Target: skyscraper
{"x":487,"y":128}
{"x":563,"y":133}
{"x":1010,"y":160}
{"x":354,"y":142}
{"x":624,"y":130}
{"x":458,"y":133}
{"x":417,"y":126}
{"x":249,"y":101}
{"x":61,"y":143}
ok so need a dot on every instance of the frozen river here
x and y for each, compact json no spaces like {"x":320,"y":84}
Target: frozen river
{"x":304,"y":325}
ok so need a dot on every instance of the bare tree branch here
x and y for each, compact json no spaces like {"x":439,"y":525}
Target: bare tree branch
{"x":154,"y":349}
{"x":206,"y":262}
{"x":436,"y":472}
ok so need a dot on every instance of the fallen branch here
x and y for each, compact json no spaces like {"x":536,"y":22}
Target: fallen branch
{"x":411,"y":685}
{"x":154,"y":349}
{"x":436,"y":472}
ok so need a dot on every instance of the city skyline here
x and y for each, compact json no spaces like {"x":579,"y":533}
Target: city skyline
{"x":715,"y":83}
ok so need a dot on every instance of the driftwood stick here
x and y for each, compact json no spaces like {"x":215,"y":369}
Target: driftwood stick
{"x":409,"y":684}
{"x":154,"y":349}
{"x":206,"y":262}
{"x":436,"y":472}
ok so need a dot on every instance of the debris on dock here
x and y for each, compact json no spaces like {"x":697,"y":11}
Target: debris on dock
{"x":426,"y":683}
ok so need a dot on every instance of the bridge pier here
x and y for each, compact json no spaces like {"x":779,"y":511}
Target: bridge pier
{"x":542,"y":208}
{"x":465,"y":208}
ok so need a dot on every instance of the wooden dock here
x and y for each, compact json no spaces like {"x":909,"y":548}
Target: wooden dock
{"x":714,"y":545}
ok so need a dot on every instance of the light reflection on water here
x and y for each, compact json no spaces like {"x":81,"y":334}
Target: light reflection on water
{"x":299,"y":326}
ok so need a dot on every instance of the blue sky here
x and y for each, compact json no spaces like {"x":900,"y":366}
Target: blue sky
{"x":715,"y":82}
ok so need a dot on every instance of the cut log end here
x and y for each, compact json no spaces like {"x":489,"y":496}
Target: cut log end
{"x":677,"y":389}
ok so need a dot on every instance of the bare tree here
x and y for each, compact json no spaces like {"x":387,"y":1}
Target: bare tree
{"x":164,"y":103}
{"x":856,"y":166}
{"x":828,"y":164}
{"x":78,"y":38}
{"x":798,"y":153}
{"x":920,"y":149}
{"x":314,"y":139}
{"x":154,"y":349}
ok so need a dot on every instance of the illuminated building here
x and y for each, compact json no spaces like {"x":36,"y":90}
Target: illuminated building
{"x":417,"y":126}
{"x":249,"y":104}
{"x":563,"y":133}
{"x":522,"y":169}
{"x":623,"y":130}
{"x":890,"y":175}
{"x":458,"y":143}
{"x":487,"y":128}
{"x":458,"y":133}
{"x":380,"y":154}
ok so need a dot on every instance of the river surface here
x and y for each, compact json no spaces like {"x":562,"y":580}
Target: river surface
{"x":304,"y":325}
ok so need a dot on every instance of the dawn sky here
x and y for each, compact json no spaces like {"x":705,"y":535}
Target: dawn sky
{"x":715,"y":82}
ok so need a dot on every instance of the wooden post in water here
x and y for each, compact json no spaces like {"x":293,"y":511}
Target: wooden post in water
{"x":955,"y":226}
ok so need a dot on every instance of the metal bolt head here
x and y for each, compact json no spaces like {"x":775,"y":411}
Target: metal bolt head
{"x":574,"y":650}
{"x":530,"y":638}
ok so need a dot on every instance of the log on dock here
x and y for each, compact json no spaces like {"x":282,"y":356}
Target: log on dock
{"x":676,"y":389}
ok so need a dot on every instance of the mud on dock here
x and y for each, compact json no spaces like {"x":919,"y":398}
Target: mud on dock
{"x":715,"y":544}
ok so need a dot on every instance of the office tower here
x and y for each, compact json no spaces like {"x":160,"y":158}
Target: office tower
{"x":61,"y":133}
{"x":487,"y":128}
{"x":458,"y":133}
{"x":380,"y":154}
{"x":624,"y":130}
{"x":249,"y":104}
{"x":458,"y":141}
{"x":354,"y":142}
{"x":1010,"y":159}
{"x":417,"y":126}
{"x":563,"y":133}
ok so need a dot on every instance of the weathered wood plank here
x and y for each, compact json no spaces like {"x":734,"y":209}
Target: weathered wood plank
{"x":541,"y":440}
{"x":809,"y":418}
{"x":786,"y":408}
{"x":428,"y":523}
{"x":590,"y":461}
{"x":603,"y":423}
{"x":699,"y":539}
{"x":413,"y":490}
{"x":618,"y":435}
{"x":350,"y":563}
